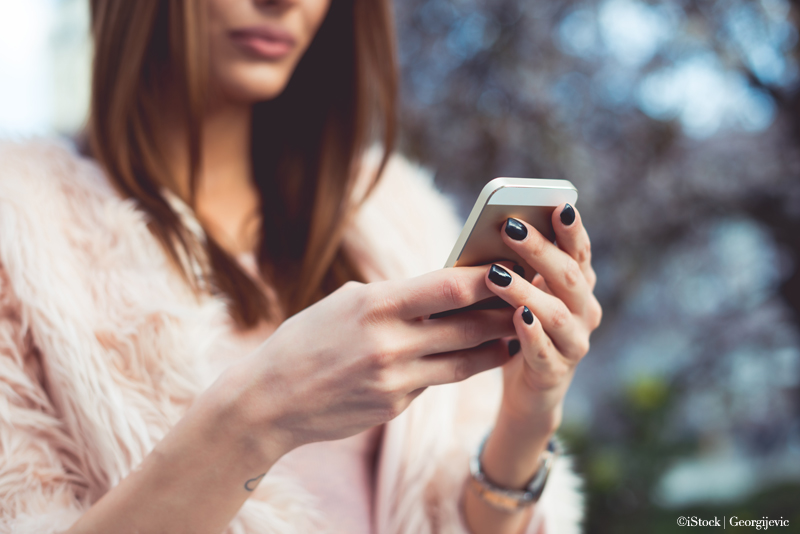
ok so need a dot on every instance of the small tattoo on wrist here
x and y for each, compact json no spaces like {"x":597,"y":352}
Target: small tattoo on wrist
{"x":251,"y":484}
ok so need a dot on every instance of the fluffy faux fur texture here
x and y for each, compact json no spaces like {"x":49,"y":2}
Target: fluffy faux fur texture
{"x":103,"y":348}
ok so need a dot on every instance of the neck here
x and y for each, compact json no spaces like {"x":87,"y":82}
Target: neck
{"x":225,"y":150}
{"x":226,"y":198}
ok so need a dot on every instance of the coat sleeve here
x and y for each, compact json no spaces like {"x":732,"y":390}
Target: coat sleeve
{"x":406,"y":228}
{"x":96,"y":366}
{"x":39,"y":493}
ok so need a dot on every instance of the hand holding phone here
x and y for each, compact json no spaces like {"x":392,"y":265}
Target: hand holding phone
{"x":527,"y":199}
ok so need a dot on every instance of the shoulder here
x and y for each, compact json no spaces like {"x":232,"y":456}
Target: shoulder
{"x":102,"y":326}
{"x":49,"y":188}
{"x":50,"y":172}
{"x":407,"y":226}
{"x":51,"y":195}
{"x":64,"y":226}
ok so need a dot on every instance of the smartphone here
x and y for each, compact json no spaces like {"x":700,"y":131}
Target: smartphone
{"x":529,"y":199}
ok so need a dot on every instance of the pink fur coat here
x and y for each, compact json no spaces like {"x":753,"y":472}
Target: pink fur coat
{"x":102,"y":349}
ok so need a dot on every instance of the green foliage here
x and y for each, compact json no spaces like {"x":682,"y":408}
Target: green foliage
{"x":622,"y":467}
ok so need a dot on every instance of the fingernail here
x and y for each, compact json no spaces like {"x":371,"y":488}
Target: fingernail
{"x":520,"y":270}
{"x":567,"y":215}
{"x":513,"y":347}
{"x":527,"y":316}
{"x":516,"y":230}
{"x":499,"y":276}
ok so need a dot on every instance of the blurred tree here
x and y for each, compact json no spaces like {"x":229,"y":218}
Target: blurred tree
{"x":679,"y":122}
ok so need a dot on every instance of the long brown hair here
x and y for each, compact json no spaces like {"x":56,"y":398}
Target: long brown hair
{"x":307,"y":144}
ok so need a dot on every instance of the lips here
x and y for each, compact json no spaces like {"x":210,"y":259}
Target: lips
{"x":265,"y":42}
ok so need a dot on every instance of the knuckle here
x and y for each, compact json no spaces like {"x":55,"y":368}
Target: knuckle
{"x":389,"y":386}
{"x":471,"y":333}
{"x":455,"y":292}
{"x":572,"y":273}
{"x":581,"y":347}
{"x":351,"y":284}
{"x":378,"y":306}
{"x":379,"y":359}
{"x":591,"y":278}
{"x":384,"y":352}
{"x":463,"y":369}
{"x":584,"y":253}
{"x":595,"y":313}
{"x":543,"y":349}
{"x":560,"y":317}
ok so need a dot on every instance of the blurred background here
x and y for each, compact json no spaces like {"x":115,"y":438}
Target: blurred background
{"x":679,"y":122}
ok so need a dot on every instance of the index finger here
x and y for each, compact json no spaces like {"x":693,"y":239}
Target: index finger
{"x":440,"y":291}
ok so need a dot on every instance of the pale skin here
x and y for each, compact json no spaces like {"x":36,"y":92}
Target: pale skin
{"x":297,"y":389}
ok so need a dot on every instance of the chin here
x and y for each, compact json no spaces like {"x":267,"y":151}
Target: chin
{"x":251,"y":84}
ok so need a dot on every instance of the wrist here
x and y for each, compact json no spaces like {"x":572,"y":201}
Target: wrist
{"x":512,"y":499}
{"x":233,"y":408}
{"x":194,"y":480}
{"x":511,"y":456}
{"x":513,"y":449}
{"x":532,"y":412}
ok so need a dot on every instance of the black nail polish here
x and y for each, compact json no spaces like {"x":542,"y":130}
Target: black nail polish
{"x":567,"y":215}
{"x":527,"y":316}
{"x":520,"y":270}
{"x":516,"y":230}
{"x":513,"y":347}
{"x":499,"y":276}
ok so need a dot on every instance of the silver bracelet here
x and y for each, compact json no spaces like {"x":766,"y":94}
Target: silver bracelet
{"x":511,"y":500}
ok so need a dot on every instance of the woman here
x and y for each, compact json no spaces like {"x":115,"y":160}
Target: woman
{"x":180,"y":351}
